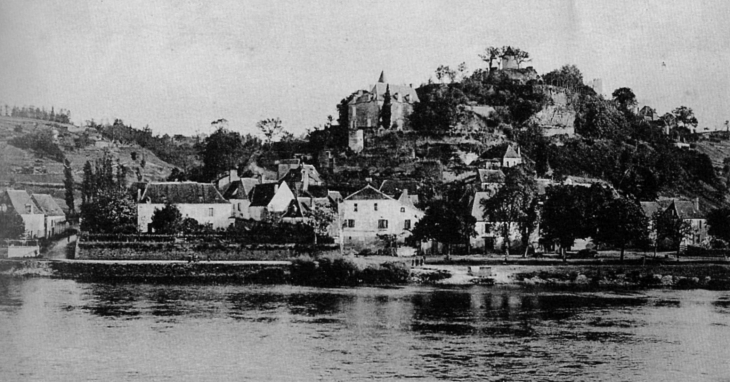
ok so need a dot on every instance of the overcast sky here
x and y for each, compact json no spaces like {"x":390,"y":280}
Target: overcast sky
{"x":178,"y":65}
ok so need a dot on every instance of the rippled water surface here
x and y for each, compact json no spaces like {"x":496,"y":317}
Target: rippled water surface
{"x":60,"y":330}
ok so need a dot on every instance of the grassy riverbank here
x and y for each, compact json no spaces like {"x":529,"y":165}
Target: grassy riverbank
{"x":353,"y":271}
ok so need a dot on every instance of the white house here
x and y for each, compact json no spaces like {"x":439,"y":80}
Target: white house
{"x":269,"y":198}
{"x":23,"y":204}
{"x":237,"y":193}
{"x":55,"y":220}
{"x":370,"y":212}
{"x":488,"y":233}
{"x":200,"y":201}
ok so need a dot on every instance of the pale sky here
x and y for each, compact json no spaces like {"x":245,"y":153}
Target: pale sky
{"x":178,"y":65}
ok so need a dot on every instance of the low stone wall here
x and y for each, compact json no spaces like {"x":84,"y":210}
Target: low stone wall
{"x":172,"y":273}
{"x":204,"y":251}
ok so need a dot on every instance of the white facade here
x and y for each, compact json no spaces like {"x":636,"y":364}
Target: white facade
{"x":216,"y":214}
{"x":364,"y":219}
{"x":276,"y":204}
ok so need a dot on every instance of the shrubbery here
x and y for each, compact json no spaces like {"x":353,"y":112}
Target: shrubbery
{"x":339,"y":270}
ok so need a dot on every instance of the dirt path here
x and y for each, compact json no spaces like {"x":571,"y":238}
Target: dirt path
{"x":58,"y":250}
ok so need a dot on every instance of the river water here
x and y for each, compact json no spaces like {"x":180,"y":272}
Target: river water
{"x":61,"y":330}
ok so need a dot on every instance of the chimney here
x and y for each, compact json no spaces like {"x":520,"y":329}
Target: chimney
{"x":276,"y":187}
{"x":261,"y":178}
{"x":697,"y":203}
{"x":139,"y":194}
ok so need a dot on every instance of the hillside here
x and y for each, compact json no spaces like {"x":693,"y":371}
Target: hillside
{"x":31,"y":170}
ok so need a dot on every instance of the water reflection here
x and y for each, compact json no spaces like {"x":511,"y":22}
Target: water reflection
{"x":295,"y":333}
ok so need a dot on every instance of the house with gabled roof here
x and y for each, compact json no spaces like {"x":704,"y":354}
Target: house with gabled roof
{"x":55,"y":219}
{"x":21,"y":203}
{"x":237,"y":193}
{"x":395,"y":187}
{"x":269,"y":198}
{"x":369,"y":212}
{"x":200,"y":201}
{"x":686,"y":210}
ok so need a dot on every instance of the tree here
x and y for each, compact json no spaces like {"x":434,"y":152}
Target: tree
{"x":685,"y":116}
{"x":385,"y":110}
{"x":718,"y":222}
{"x":521,"y":56}
{"x":110,"y":211}
{"x":514,"y":203}
{"x":320,"y":218}
{"x":568,"y":76}
{"x":271,"y":128}
{"x":220,"y":152}
{"x":11,"y":225}
{"x":446,"y":223}
{"x":490,"y":54}
{"x":443,"y":72}
{"x":68,"y":183}
{"x":106,"y":204}
{"x":621,"y":222}
{"x":563,"y":218}
{"x":167,"y":220}
{"x":624,"y":97}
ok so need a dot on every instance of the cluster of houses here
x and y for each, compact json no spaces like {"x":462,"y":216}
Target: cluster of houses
{"x":364,"y":216}
{"x":41,"y":214}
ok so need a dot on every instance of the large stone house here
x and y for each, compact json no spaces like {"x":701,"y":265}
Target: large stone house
{"x":55,"y":219}
{"x":33,"y":217}
{"x":365,"y":109}
{"x":200,"y":201}
{"x":369,"y":212}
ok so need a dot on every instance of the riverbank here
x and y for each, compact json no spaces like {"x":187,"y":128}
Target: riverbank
{"x":356,"y":271}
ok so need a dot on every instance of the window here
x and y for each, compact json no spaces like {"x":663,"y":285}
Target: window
{"x":402,"y":209}
{"x":376,"y":206}
{"x":382,"y":224}
{"x":350,"y":223}
{"x":407,"y":224}
{"x":239,"y":207}
{"x":355,"y":207}
{"x":210,"y":212}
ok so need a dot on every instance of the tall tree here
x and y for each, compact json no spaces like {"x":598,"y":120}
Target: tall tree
{"x":624,"y":98}
{"x":11,"y":225}
{"x":320,"y":218}
{"x":446,"y":223}
{"x":621,"y":222}
{"x":490,"y":54}
{"x":685,"y":116}
{"x":220,"y":152}
{"x":385,"y":110}
{"x":106,"y":204}
{"x":514,"y":203}
{"x":563,"y":218}
{"x":271,"y":128}
{"x":521,"y":56}
{"x":68,"y":183}
{"x":718,"y":222}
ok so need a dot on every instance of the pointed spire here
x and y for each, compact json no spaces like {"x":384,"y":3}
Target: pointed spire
{"x":382,"y":77}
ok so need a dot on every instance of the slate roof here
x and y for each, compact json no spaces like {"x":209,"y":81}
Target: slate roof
{"x":511,"y":153}
{"x":315,"y":192}
{"x":491,"y":176}
{"x":295,"y":174}
{"x":182,"y":193}
{"x":687,"y":210}
{"x":262,"y":194}
{"x":19,"y":199}
{"x":394,"y":187}
{"x":336,"y":196}
{"x":368,"y":193}
{"x":240,"y":189}
{"x":48,"y":205}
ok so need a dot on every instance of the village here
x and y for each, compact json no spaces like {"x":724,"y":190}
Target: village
{"x":385,"y":182}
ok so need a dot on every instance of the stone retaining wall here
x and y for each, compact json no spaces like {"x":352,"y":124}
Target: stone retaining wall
{"x":182,"y":251}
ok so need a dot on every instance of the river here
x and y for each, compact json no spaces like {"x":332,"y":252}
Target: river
{"x":61,"y":330}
